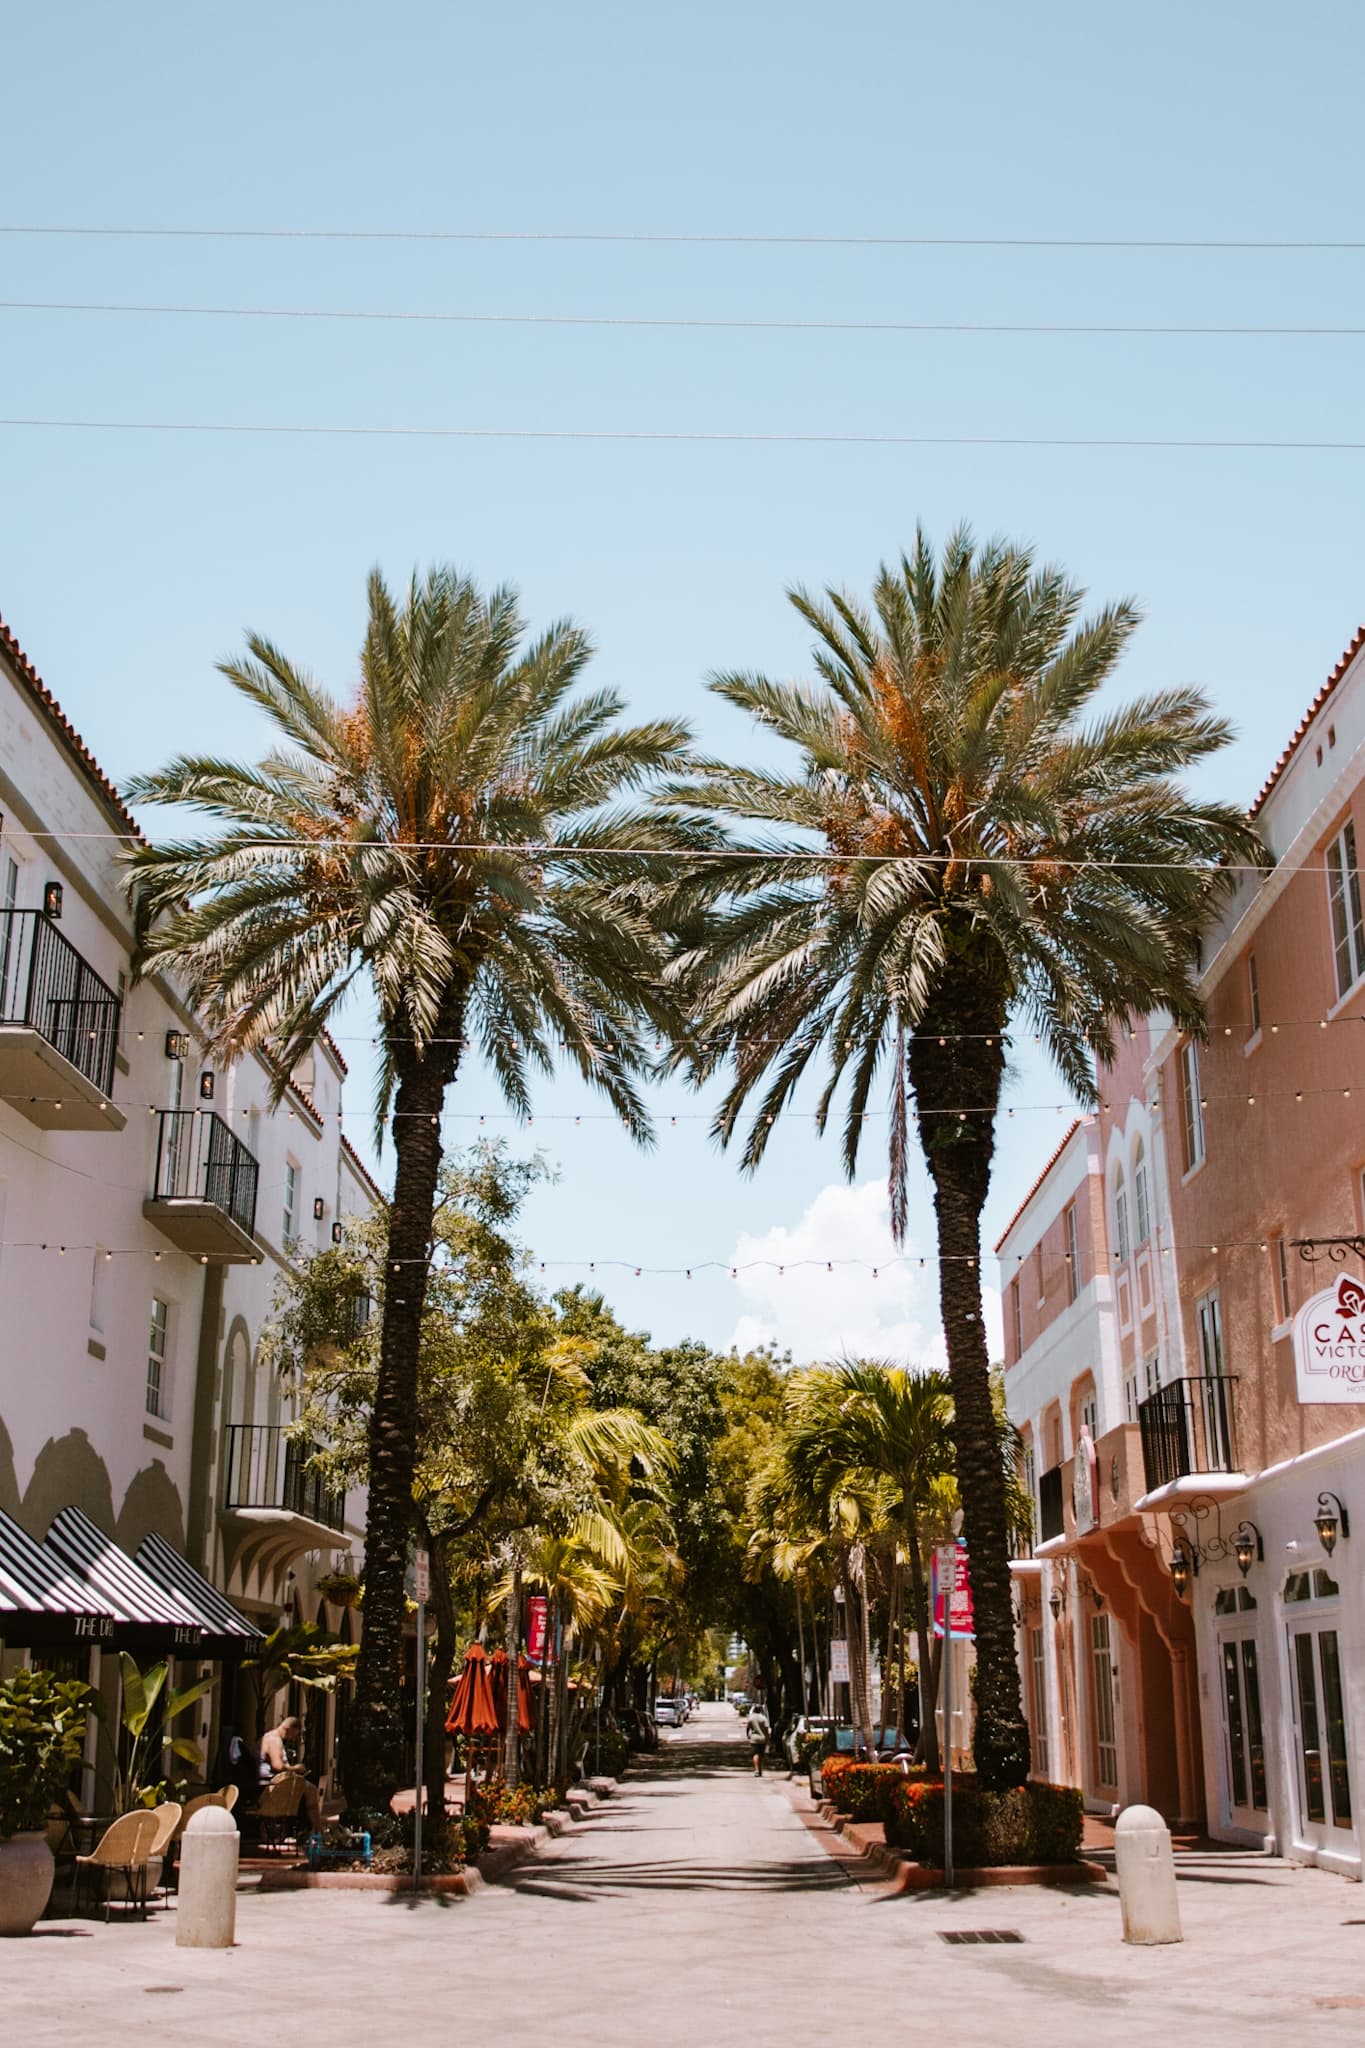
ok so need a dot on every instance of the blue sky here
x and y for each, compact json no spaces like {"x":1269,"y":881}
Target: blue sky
{"x":130,"y":562}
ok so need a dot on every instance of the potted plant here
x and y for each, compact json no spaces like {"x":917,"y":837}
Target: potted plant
{"x":342,"y":1589}
{"x":42,"y":1740}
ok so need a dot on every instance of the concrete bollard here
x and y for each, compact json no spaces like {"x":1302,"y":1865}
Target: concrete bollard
{"x":1146,"y":1872}
{"x":206,"y":1903}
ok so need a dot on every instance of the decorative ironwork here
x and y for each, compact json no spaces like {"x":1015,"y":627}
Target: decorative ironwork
{"x":1325,"y":1521}
{"x":199,"y":1159}
{"x":1333,"y":1249}
{"x":46,"y":985}
{"x":267,"y":1469}
{"x":1189,"y":1425}
{"x":1243,"y":1543}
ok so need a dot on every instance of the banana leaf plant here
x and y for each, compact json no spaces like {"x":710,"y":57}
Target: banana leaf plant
{"x":146,"y":1716}
{"x":302,"y":1653}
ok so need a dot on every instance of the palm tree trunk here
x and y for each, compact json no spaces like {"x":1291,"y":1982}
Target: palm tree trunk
{"x":957,"y":1062}
{"x":373,"y":1766}
{"x":444,"y":1653}
{"x":801,"y":1641}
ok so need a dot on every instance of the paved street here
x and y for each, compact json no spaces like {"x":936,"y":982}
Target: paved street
{"x":699,"y":1907}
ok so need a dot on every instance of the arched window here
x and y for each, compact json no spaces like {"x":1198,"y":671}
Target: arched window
{"x":1140,"y":1196}
{"x":1122,"y":1246}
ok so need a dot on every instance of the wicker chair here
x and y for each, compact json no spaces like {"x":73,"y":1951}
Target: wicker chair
{"x":126,"y":1847}
{"x":277,"y":1811}
{"x":168,"y":1817}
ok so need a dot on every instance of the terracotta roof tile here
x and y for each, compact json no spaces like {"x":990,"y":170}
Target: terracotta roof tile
{"x":1075,"y":1126}
{"x":1309,"y":715}
{"x":66,"y":732}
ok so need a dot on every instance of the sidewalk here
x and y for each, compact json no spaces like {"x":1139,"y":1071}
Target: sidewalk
{"x":697,"y":1905}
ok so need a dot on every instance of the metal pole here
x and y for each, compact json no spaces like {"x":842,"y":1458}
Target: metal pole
{"x":419,"y":1792}
{"x":948,"y":1723}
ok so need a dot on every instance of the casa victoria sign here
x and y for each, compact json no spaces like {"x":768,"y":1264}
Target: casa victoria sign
{"x":1329,"y":1344}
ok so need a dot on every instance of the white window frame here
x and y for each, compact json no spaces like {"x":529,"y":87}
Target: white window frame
{"x":1344,"y":909}
{"x":1122,"y":1243}
{"x":1017,"y":1315}
{"x":158,"y":1359}
{"x":1282,"y":1295}
{"x":1142,"y":1203}
{"x":1073,"y":1251}
{"x":1208,"y":1331}
{"x":1192,"y":1106}
{"x":289,"y":1215}
{"x":1130,"y":1397}
{"x":1090,"y":1416}
{"x":1253,"y":996}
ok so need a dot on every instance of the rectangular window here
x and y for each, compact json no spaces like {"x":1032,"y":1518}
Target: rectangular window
{"x":1192,"y":1106}
{"x":1073,"y":1253}
{"x":1042,"y":1762}
{"x":1090,"y":1417}
{"x":1038,"y":1271}
{"x":9,"y":951}
{"x":1130,"y":1397}
{"x":1348,"y":928}
{"x":156,"y":1359}
{"x":1151,"y":1373}
{"x":1253,"y":995}
{"x":1017,"y":1319}
{"x":1282,"y":1279}
{"x":289,"y":1226}
{"x":1122,"y":1247}
{"x":1030,"y":1474}
{"x":1208,"y":1315}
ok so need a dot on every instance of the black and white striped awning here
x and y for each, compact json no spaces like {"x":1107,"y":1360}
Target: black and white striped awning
{"x":42,"y":1600}
{"x":147,"y":1614}
{"x":228,"y":1633}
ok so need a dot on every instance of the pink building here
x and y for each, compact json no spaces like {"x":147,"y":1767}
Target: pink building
{"x":1199,"y":1404}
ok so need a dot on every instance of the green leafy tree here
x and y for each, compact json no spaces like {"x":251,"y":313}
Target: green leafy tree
{"x":446,"y":836}
{"x":989,"y":847}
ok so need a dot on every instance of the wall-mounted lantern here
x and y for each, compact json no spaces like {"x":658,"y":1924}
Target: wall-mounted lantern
{"x":1248,"y":1548}
{"x":1326,"y":1522}
{"x":52,"y":901}
{"x":177,"y":1045}
{"x":336,"y":1232}
{"x":319,"y":1208}
{"x":1184,"y":1565}
{"x":206,"y":1085}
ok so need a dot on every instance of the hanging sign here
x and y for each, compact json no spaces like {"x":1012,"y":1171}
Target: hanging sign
{"x":1329,"y":1344}
{"x":421,"y":1575}
{"x":950,"y":1564}
{"x":536,"y":1608}
{"x":1084,"y":1493}
{"x":838,"y":1661}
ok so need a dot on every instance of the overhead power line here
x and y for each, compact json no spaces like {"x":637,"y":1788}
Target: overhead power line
{"x":686,"y":322}
{"x":627,"y":237}
{"x":644,"y":435}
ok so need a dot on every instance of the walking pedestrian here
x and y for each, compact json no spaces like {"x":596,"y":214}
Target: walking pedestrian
{"x":756,"y":1733}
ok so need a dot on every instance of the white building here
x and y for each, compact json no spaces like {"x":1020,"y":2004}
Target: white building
{"x":148,"y":1205}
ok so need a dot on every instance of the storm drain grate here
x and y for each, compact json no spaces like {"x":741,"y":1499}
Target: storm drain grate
{"x":964,"y":1937}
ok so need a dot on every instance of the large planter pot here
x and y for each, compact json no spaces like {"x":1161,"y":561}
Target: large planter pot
{"x":26,"y":1873}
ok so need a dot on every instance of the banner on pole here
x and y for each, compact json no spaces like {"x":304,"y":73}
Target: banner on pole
{"x":951,"y":1574}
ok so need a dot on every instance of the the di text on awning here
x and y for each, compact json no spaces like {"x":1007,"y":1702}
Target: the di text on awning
{"x":42,"y":1600}
{"x":147,"y":1616}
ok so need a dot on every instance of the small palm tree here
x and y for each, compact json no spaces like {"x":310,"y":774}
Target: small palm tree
{"x":444,"y":835}
{"x":960,"y":846}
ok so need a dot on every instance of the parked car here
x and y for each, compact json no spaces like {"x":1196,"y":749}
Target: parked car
{"x":804,"y":1724}
{"x":666,"y":1713}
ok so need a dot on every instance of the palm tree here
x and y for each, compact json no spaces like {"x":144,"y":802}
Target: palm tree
{"x":959,"y":847}
{"x":446,"y":833}
{"x":884,"y":1420}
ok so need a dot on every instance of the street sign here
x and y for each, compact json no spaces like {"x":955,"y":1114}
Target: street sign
{"x":421,"y":1573}
{"x":838,"y":1661}
{"x":951,"y":1571}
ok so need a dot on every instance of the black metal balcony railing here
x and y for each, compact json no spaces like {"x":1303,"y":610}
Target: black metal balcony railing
{"x":264,"y":1468}
{"x":45,"y":984}
{"x":1187,"y":1426}
{"x":1050,"y":1518}
{"x":198,"y":1159}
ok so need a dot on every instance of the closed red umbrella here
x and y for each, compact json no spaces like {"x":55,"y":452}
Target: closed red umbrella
{"x":497,"y":1675}
{"x":472,"y":1707}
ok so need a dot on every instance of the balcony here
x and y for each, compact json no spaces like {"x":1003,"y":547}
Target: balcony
{"x":204,"y":1196}
{"x":276,"y":1506}
{"x":1051,"y":1520}
{"x":58,"y":1029}
{"x":1189,"y":1426}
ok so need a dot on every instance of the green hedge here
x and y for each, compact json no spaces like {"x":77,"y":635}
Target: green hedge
{"x":863,"y":1791}
{"x":1035,"y":1823}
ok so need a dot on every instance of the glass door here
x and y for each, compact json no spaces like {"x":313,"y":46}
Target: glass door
{"x":1244,"y":1743}
{"x":1325,"y":1811}
{"x":1104,"y":1705}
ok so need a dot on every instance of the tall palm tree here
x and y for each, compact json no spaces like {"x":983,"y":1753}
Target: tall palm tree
{"x":445,"y":834}
{"x":882,"y":1419}
{"x":959,"y":846}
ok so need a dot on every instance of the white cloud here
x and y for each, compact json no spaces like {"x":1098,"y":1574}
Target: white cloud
{"x":818,"y":1313}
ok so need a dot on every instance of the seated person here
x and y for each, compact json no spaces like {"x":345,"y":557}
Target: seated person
{"x":280,"y":1758}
